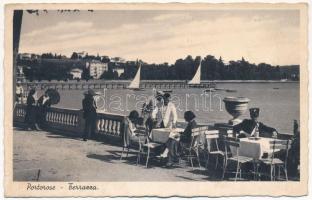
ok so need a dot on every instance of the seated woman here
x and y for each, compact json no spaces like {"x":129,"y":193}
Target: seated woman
{"x":132,"y":125}
{"x":185,"y":138}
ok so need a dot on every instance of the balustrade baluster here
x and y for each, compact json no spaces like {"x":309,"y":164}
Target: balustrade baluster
{"x":62,"y":118}
{"x":67,"y":119}
{"x":114,"y":128}
{"x":53,"y":117}
{"x":102,"y":125}
{"x":110,"y":126}
{"x":59,"y":118}
{"x":47,"y":116}
{"x":105,"y":125}
{"x":118,"y":128}
{"x":76,"y":120}
{"x":71,"y":120}
{"x":98,"y":123}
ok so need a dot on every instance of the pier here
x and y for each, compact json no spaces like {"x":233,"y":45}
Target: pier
{"x":114,"y":84}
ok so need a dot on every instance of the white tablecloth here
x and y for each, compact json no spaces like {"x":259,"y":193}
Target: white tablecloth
{"x":253,"y":148}
{"x":161,"y":135}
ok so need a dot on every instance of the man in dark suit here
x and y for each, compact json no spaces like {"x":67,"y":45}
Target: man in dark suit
{"x":44,"y":103}
{"x":253,"y":128}
{"x":89,"y":114}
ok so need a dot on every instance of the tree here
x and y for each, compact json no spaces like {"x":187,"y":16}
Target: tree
{"x":74,"y":56}
{"x":85,"y":74}
{"x":109,"y":75}
{"x":105,"y":59}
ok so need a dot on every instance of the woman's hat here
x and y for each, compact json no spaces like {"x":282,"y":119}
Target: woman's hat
{"x":133,"y":115}
{"x":159,"y":95}
{"x":189,"y":115}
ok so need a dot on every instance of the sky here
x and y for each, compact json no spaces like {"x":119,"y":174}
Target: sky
{"x":158,"y":36}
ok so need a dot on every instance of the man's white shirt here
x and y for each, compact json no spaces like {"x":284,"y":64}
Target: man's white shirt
{"x":169,"y":113}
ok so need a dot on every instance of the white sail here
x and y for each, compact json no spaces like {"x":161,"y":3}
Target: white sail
{"x":135,"y":83}
{"x":196,"y":78}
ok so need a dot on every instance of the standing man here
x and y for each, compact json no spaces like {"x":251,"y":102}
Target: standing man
{"x":89,"y":114}
{"x":43,"y":103}
{"x":253,"y":128}
{"x":165,"y":113}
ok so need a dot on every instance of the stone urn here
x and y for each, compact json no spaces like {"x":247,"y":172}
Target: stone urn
{"x":235,"y":106}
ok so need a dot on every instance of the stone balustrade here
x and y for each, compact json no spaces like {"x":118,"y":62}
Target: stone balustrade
{"x":71,"y":121}
{"x":109,"y":123}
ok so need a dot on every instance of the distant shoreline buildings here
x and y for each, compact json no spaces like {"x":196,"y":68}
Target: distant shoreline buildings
{"x":81,"y":65}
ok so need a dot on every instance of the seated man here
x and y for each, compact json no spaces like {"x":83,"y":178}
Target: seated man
{"x":253,"y":128}
{"x":185,"y":137}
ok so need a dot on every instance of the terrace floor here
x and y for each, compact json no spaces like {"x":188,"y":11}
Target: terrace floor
{"x":62,"y":158}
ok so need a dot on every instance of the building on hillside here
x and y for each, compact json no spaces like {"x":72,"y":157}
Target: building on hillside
{"x":24,"y":56}
{"x":132,"y":62}
{"x":34,"y":57}
{"x":119,"y":70}
{"x":96,"y":68}
{"x":76,"y":73}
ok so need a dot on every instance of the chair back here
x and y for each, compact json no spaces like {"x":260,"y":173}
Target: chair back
{"x":212,"y":136}
{"x":230,"y":142}
{"x":140,"y":135}
{"x":198,"y":136}
{"x":278,"y":145}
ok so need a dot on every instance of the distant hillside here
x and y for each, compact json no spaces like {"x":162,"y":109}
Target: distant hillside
{"x":183,"y":69}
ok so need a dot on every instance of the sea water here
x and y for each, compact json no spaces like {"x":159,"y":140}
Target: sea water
{"x":278,"y":102}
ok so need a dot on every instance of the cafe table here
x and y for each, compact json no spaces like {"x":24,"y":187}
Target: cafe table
{"x":254,"y":147}
{"x":161,"y":135}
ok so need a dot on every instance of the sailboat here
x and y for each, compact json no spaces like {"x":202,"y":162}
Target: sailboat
{"x":195,"y":82}
{"x":196,"y":78}
{"x":135,"y":83}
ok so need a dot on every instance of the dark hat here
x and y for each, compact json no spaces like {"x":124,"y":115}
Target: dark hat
{"x":189,"y":115}
{"x":89,"y":92}
{"x":166,"y":95}
{"x":254,"y":112}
